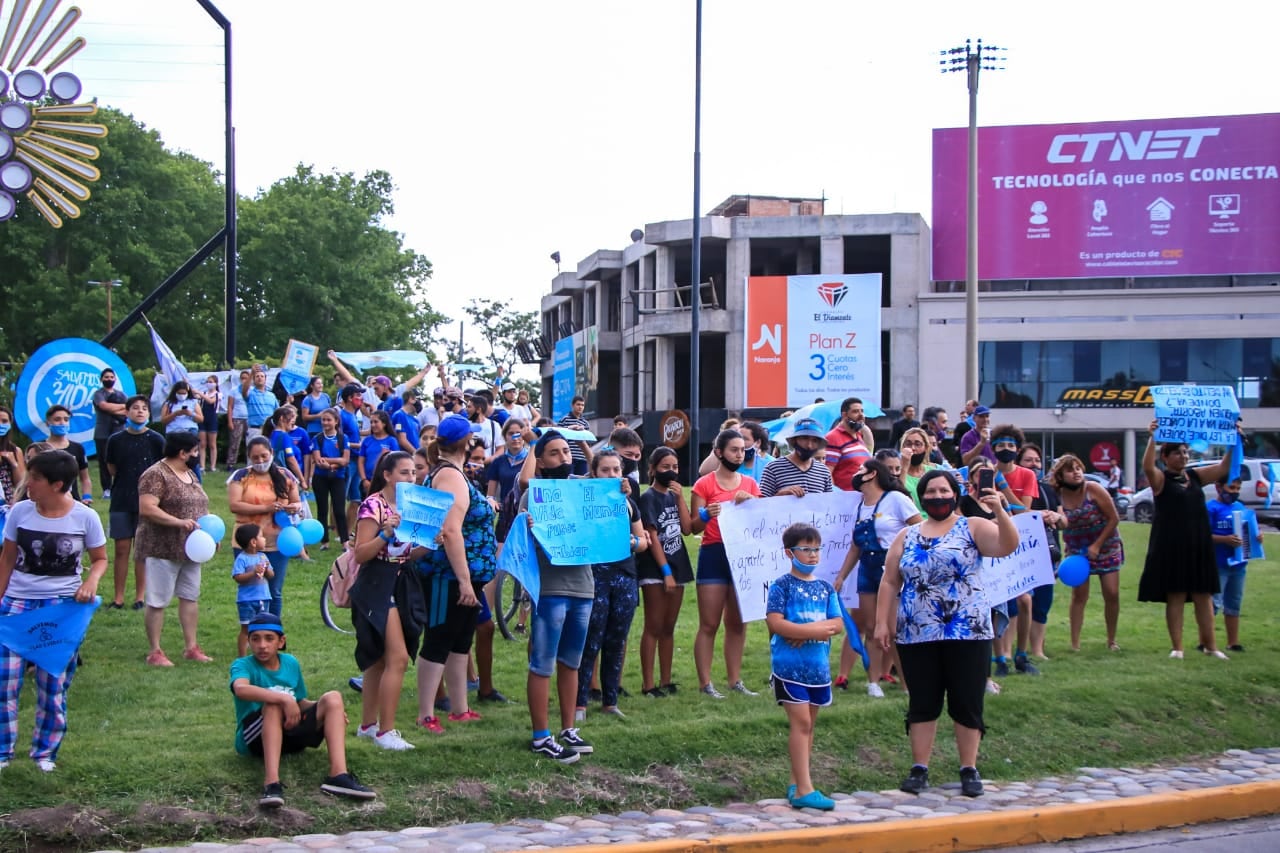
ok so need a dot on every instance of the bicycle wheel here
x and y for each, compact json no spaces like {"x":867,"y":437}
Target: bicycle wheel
{"x":509,"y":598}
{"x":325,"y":613}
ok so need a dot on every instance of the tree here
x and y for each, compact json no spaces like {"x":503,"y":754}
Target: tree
{"x":502,"y":329}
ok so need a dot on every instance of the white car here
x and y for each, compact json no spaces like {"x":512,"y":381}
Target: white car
{"x":1257,"y":481}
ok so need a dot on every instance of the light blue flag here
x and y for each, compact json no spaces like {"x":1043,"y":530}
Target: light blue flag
{"x":519,"y":559}
{"x":369,"y":361}
{"x":580,"y":521}
{"x":293,"y":382}
{"x":168,"y":363}
{"x":855,"y":638}
{"x":48,"y":636}
{"x":570,"y":434}
{"x":422,"y":511}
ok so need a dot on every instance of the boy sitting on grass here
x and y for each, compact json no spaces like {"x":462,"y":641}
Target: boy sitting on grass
{"x":274,"y":717}
{"x":803,"y":614}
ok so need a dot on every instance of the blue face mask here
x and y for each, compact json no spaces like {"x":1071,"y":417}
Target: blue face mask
{"x":4,"y":429}
{"x":59,"y":429}
{"x":1225,"y":497}
{"x":802,"y":568}
{"x":136,"y":426}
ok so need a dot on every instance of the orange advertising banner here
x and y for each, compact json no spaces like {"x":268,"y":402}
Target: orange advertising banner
{"x":766,"y":356}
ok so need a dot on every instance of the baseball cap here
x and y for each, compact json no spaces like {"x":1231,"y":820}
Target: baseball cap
{"x":454,"y":391}
{"x":807,"y":427}
{"x":982,"y":410}
{"x":266,"y":622}
{"x":382,"y":380}
{"x":509,"y":386}
{"x":453,"y":429}
{"x":439,"y":392}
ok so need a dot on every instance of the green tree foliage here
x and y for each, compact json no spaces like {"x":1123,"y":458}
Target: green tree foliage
{"x":502,"y":328}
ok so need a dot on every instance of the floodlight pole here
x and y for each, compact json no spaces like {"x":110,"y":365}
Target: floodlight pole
{"x":695,"y":314}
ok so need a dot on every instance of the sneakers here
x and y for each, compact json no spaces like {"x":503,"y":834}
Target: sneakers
{"x":1002,"y":667}
{"x":467,"y":716}
{"x":4,"y":763}
{"x":917,"y":780}
{"x":106,"y":494}
{"x":815,"y":799}
{"x":431,"y":724}
{"x":272,"y":796}
{"x":139,"y":605}
{"x":970,"y":782}
{"x":158,"y":658}
{"x":614,"y":711}
{"x":575,"y":741}
{"x":1022,"y":666}
{"x":1217,"y":653}
{"x":370,"y":731}
{"x":841,"y":682}
{"x":874,"y":691}
{"x":493,"y":696}
{"x":739,"y":687}
{"x":1235,"y":648}
{"x":391,"y":740}
{"x":473,"y":684}
{"x":1176,"y":654}
{"x":709,"y":689}
{"x":346,"y":785}
{"x":197,"y":654}
{"x":655,"y":693}
{"x":46,"y":765}
{"x":549,"y":748}
{"x":356,"y":683}
{"x":669,"y":688}
{"x":993,"y":688}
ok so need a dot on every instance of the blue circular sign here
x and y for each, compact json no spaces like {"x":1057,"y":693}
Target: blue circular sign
{"x":66,"y":372}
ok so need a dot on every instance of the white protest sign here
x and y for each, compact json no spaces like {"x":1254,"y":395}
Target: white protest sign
{"x":1188,"y":413}
{"x":752,"y":533}
{"x":1028,"y":567}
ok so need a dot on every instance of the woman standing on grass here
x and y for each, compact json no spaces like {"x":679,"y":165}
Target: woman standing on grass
{"x":330,"y":455}
{"x":717,"y":598}
{"x":1093,"y":531}
{"x":378,"y":442}
{"x":257,"y":495}
{"x":387,"y":608}
{"x":210,"y":400}
{"x":1180,"y":562}
{"x":13,"y":468}
{"x":664,"y":569}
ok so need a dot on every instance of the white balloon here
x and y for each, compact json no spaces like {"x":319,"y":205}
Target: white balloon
{"x":200,"y":546}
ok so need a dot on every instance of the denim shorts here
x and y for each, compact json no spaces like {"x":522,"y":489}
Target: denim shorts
{"x":713,"y":565}
{"x":355,"y":488}
{"x":1231,"y":582}
{"x":249,"y":609}
{"x":558,"y":633}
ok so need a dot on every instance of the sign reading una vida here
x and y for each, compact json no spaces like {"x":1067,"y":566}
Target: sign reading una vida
{"x":812,"y":336}
{"x":580,"y":521}
{"x":66,"y":372}
{"x":1154,"y":197}
{"x":752,"y":533}
{"x":1196,"y":413}
{"x":1029,"y":566}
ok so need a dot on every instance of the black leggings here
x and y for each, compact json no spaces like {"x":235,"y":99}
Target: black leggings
{"x":331,"y":490}
{"x":956,"y":669}
{"x":450,"y":626}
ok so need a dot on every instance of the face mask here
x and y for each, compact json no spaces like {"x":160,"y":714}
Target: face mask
{"x":559,"y":472}
{"x":261,"y":467}
{"x":802,"y":568}
{"x":107,"y":383}
{"x":1072,"y":487}
{"x":629,"y":466}
{"x":939,"y":509}
{"x":1229,"y":497}
{"x":136,"y":426}
{"x":179,"y":397}
{"x":4,"y":429}
{"x":59,"y":429}
{"x":856,"y":483}
{"x":666,"y":478}
{"x":855,"y":426}
{"x":729,"y":466}
{"x":1006,"y":456}
{"x":193,"y":461}
{"x":917,"y":459}
{"x":749,"y":458}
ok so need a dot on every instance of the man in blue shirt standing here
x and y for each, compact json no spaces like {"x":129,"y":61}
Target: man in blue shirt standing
{"x":259,"y":402}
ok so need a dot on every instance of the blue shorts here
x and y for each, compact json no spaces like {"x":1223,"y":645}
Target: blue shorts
{"x":869,"y":578}
{"x":713,"y":565}
{"x":791,"y":693}
{"x":250,"y":609}
{"x":354,"y":491}
{"x":558,"y":633}
{"x":1231,"y":582}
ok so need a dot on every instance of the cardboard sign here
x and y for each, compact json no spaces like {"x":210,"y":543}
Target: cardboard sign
{"x":1028,"y":567}
{"x":580,"y":521}
{"x":1196,"y":413}
{"x":422,"y":511}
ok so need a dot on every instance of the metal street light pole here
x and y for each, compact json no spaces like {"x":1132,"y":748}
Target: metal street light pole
{"x":115,"y":282}
{"x":695,"y":317}
{"x":972,"y":59}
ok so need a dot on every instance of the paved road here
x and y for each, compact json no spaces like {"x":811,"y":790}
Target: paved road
{"x":1260,"y":835}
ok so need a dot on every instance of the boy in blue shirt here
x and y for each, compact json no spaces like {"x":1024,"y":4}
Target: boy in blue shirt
{"x":1232,"y":563}
{"x":274,"y":716}
{"x":803,"y":614}
{"x":251,"y":571}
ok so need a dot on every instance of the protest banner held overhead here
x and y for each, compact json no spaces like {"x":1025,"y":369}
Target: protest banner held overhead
{"x":1196,"y":414}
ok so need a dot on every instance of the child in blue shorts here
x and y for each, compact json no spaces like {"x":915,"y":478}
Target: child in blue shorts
{"x":803,"y":614}
{"x":251,"y":573}
{"x":1231,"y":553}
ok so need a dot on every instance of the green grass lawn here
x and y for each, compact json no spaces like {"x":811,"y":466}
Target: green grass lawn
{"x":145,"y":741}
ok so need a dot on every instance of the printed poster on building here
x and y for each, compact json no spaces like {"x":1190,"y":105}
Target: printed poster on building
{"x":576,"y":372}
{"x":810,"y":336}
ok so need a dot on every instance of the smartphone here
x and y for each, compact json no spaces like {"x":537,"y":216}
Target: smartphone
{"x":986,"y":480}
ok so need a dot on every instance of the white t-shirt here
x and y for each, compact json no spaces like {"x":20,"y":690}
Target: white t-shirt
{"x":891,"y":517}
{"x":491,"y":434}
{"x":49,"y":558}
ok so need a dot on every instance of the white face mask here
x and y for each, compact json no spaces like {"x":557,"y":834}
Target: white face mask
{"x":261,"y":467}
{"x":180,"y":397}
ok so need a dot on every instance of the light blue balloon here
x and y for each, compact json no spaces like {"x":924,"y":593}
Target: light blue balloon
{"x":213,"y":525}
{"x":289,"y":542}
{"x":312,"y":531}
{"x":1074,"y":570}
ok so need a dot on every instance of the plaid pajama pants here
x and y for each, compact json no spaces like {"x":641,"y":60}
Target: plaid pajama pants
{"x":51,"y":693}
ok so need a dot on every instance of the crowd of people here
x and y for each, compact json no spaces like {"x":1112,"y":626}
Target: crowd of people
{"x":923,"y":523}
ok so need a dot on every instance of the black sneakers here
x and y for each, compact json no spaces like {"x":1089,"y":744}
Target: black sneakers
{"x":572,"y":739}
{"x":272,"y":796}
{"x":347,"y":785}
{"x":549,"y":748}
{"x":917,"y":780}
{"x":970,"y":782}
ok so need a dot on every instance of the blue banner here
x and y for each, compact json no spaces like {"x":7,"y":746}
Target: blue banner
{"x":67,"y":372}
{"x":48,"y":636}
{"x":518,"y":558}
{"x":580,"y":521}
{"x":570,"y":434}
{"x":563,"y":380}
{"x":422,"y":511}
{"x":1202,"y":415}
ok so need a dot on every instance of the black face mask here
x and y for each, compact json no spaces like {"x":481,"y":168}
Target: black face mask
{"x":855,"y":426}
{"x":193,"y":461}
{"x":939,"y":509}
{"x":917,"y":459}
{"x":729,"y":466}
{"x":666,"y":478}
{"x":856,"y":483}
{"x":559,"y":472}
{"x":107,"y":383}
{"x":1072,"y":487}
{"x":749,"y":458}
{"x":629,"y":466}
{"x":804,"y":454}
{"x":1006,"y":456}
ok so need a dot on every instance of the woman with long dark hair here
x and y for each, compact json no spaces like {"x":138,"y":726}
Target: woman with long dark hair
{"x":330,"y":456}
{"x":664,"y":569}
{"x":13,"y":468}
{"x":266,"y":495}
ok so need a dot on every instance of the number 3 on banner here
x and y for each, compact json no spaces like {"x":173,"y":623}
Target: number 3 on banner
{"x":819,"y":367}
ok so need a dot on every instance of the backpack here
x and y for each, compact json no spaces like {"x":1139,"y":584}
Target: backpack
{"x":342,"y":576}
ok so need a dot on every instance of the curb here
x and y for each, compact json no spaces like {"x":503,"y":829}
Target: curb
{"x":992,"y":829}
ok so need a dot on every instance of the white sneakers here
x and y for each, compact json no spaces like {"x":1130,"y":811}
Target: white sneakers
{"x":874,"y":691}
{"x":45,"y":765}
{"x":391,"y":740}
{"x":1176,"y":654}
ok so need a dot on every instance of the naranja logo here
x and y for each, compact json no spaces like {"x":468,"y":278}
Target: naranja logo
{"x":1108,"y":396}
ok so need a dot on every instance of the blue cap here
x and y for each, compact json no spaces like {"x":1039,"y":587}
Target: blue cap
{"x":453,"y":429}
{"x":807,"y":427}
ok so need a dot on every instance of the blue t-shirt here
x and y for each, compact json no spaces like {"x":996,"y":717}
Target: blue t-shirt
{"x":293,"y":444}
{"x":257,"y":590}
{"x":314,"y":406}
{"x":802,"y":602}
{"x":260,"y":406}
{"x":350,"y":427}
{"x":1222,"y":523}
{"x":286,"y":679}
{"x":371,"y":450}
{"x":330,"y":448}
{"x":504,"y":470}
{"x":403,"y":423}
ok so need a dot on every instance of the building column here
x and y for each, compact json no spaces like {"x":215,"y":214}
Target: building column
{"x":1130,"y":459}
{"x":832,"y":260}
{"x":737,"y":268}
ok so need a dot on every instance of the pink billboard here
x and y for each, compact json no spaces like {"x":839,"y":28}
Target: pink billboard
{"x":1159,"y":197}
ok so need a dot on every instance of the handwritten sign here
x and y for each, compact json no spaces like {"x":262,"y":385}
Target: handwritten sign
{"x":752,"y":533}
{"x":1028,"y":567}
{"x":422,"y":511}
{"x":1188,"y":413}
{"x":519,"y":559}
{"x":580,"y":521}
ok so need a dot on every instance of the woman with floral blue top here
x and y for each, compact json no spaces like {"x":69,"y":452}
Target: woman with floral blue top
{"x":944,"y":629}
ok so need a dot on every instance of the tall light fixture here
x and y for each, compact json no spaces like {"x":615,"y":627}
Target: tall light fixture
{"x":107,"y":285}
{"x":695,"y":314}
{"x":972,"y":59}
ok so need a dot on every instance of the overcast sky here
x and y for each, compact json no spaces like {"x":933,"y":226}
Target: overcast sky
{"x":513,"y":129}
